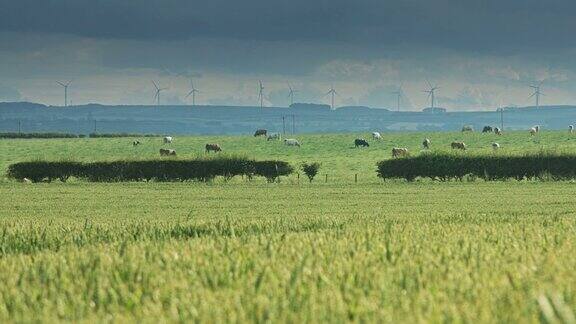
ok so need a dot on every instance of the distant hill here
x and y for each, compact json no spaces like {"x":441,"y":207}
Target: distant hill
{"x":33,"y":117}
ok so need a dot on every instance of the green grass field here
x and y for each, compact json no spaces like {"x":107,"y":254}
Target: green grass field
{"x":251,"y":251}
{"x":340,"y":160}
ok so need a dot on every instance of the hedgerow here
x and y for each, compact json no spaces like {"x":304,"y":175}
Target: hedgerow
{"x":445,"y":166}
{"x":15,"y":135}
{"x":112,"y":135}
{"x":149,"y":170}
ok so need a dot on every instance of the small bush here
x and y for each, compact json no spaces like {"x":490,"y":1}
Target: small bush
{"x":272,"y":170}
{"x":311,"y":169}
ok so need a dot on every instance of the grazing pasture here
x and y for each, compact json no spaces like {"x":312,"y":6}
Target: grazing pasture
{"x":336,"y":152}
{"x":241,"y":251}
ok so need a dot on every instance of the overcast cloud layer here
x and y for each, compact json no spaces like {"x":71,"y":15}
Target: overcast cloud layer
{"x":481,"y":53}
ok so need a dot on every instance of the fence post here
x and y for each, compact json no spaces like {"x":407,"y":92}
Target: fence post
{"x":298,"y":178}
{"x":326,"y":177}
{"x":356,"y":178}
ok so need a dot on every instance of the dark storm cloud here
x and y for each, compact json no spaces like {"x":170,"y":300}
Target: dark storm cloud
{"x":471,"y":25}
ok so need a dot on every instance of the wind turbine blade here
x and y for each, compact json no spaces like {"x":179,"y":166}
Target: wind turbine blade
{"x":189,"y":93}
{"x":60,"y":83}
{"x":67,"y":84}
{"x":429,"y":84}
{"x":155,"y":85}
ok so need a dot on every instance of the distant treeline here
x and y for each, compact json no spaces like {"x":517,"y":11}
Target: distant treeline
{"x":203,"y":169}
{"x":67,"y":135}
{"x":445,"y":166}
{"x":40,"y":135}
{"x":109,"y":135}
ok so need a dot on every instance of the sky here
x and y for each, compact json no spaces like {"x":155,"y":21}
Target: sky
{"x":480,"y":53}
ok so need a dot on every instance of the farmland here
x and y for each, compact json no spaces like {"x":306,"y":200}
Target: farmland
{"x":340,"y":160}
{"x":295,"y":251}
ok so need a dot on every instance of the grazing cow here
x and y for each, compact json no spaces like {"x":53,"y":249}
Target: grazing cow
{"x":213,"y":147}
{"x":426,"y":143}
{"x":361,"y":142}
{"x":495,"y":146}
{"x":136,"y":143}
{"x":537,"y":128}
{"x":260,"y":132}
{"x":167,"y":152}
{"x":168,"y":140}
{"x":399,"y":151}
{"x":467,"y":128}
{"x":487,"y":129}
{"x":498,"y":131}
{"x":458,"y":145}
{"x":533,"y":131}
{"x":376,"y":136}
{"x":291,"y":142}
{"x":571,"y":129}
{"x":274,"y":137}
{"x":26,"y":180}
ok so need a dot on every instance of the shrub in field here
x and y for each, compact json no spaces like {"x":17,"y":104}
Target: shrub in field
{"x":272,"y":170}
{"x":311,"y":169}
{"x":158,"y":170}
{"x":38,"y":135}
{"x":488,"y":167}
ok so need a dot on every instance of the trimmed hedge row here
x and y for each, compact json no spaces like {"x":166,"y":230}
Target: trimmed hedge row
{"x":157,"y":170}
{"x":112,"y":135}
{"x":39,"y":135}
{"x":445,"y":166}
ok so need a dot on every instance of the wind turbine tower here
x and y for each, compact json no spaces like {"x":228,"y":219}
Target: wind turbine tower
{"x":431,"y":93}
{"x":157,"y":94}
{"x":398,"y":94}
{"x":192,"y":93}
{"x":332,"y":92}
{"x":291,"y":94}
{"x":537,"y":93}
{"x":261,"y":94}
{"x":65,"y":85}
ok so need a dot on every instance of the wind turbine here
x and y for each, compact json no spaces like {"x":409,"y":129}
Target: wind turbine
{"x":192,"y":93}
{"x":65,"y":85}
{"x":261,"y":94}
{"x":157,"y":95}
{"x":332,"y":92}
{"x":291,"y":94}
{"x":537,"y":93}
{"x":398,"y":93}
{"x":431,"y":93}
